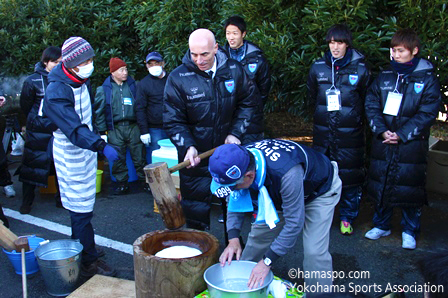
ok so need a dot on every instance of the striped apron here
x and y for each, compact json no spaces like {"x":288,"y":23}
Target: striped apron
{"x":76,"y":167}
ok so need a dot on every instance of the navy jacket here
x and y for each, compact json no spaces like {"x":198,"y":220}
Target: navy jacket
{"x":282,"y":155}
{"x":59,"y":107}
{"x":200,"y":111}
{"x":36,"y":164}
{"x":397,"y":173}
{"x":107,"y":87}
{"x":149,"y":103}
{"x":257,"y":68}
{"x":340,"y":134}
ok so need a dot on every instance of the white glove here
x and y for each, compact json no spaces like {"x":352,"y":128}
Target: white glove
{"x":146,"y":139}
{"x":231,"y":139}
{"x":277,"y":289}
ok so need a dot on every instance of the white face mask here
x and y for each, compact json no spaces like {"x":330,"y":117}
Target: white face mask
{"x":155,"y":70}
{"x":85,"y":71}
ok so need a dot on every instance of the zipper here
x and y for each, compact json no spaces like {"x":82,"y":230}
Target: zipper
{"x":214,"y":94}
{"x":122,"y":100}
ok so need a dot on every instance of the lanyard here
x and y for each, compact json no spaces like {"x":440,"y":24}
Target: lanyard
{"x":332,"y":71}
{"x":396,"y":84}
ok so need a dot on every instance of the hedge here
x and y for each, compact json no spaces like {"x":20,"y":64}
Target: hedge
{"x":291,"y":33}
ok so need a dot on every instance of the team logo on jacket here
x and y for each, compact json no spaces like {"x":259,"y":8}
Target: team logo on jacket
{"x":353,"y":79}
{"x":233,"y":172}
{"x":252,"y":67}
{"x":418,"y":87}
{"x":230,"y":85}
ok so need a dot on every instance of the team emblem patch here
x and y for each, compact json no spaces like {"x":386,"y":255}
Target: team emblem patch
{"x":230,"y":85}
{"x":418,"y":87}
{"x":234,"y":172}
{"x":353,"y":79}
{"x":253,"y":67}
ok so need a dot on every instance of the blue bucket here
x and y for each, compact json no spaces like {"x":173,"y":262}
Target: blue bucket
{"x":30,"y":258}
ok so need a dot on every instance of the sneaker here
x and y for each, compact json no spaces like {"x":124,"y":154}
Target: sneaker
{"x":25,"y":209}
{"x":58,"y":202}
{"x":146,"y":188}
{"x":221,"y":219}
{"x":408,"y":242}
{"x":100,"y":251}
{"x":9,"y":191}
{"x":376,"y":233}
{"x":121,"y":189}
{"x":346,"y":228}
{"x":98,"y":267}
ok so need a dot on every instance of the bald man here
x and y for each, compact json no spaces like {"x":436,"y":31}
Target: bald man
{"x":209,"y":100}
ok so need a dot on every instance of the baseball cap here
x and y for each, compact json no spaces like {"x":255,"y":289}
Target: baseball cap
{"x":227,"y":165}
{"x":154,"y":56}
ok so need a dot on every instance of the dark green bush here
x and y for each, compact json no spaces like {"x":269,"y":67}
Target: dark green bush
{"x":290,"y":32}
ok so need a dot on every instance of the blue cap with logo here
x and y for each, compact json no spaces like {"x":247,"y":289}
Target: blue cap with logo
{"x":227,"y":165}
{"x":154,"y":56}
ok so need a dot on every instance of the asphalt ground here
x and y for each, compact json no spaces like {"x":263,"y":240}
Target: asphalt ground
{"x":359,"y":264}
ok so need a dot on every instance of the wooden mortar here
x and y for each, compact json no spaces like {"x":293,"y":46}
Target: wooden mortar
{"x":169,"y":277}
{"x":163,"y":277}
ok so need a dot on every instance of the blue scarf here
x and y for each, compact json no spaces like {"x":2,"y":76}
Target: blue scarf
{"x":241,"y":201}
{"x":342,"y":62}
{"x":405,"y":68}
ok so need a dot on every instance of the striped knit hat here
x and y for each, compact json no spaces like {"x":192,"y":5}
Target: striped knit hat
{"x":75,"y":51}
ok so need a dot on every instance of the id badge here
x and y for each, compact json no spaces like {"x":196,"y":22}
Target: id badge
{"x":127,"y":101}
{"x":393,"y":103}
{"x":333,"y":99}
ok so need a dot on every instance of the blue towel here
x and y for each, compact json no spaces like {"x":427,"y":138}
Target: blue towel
{"x":241,"y":201}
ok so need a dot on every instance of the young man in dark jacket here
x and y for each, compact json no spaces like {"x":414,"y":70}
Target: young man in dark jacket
{"x":209,"y":100}
{"x":36,"y":164}
{"x":401,"y":105}
{"x":114,"y":110}
{"x":255,"y":65}
{"x":5,"y":177}
{"x":149,"y":104}
{"x":297,"y":188}
{"x":67,"y":103}
{"x":337,"y":84}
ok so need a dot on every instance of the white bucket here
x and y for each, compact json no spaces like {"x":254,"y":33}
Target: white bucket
{"x":167,"y":153}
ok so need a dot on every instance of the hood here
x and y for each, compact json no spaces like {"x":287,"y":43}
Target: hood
{"x":221,"y":57}
{"x":424,"y":65}
{"x":40,"y":69}
{"x":58,"y":75}
{"x":356,"y":55}
{"x":252,"y":48}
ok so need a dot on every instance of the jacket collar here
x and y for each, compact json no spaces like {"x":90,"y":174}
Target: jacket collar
{"x":221,"y":60}
{"x":57,"y":74}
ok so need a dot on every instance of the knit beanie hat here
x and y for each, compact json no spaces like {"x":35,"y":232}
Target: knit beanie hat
{"x":116,"y":63}
{"x":75,"y":51}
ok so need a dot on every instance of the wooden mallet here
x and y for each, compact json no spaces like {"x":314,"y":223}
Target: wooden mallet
{"x":22,"y":245}
{"x":158,"y":176}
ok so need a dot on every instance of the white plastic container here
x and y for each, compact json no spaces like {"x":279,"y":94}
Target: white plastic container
{"x":167,"y":153}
